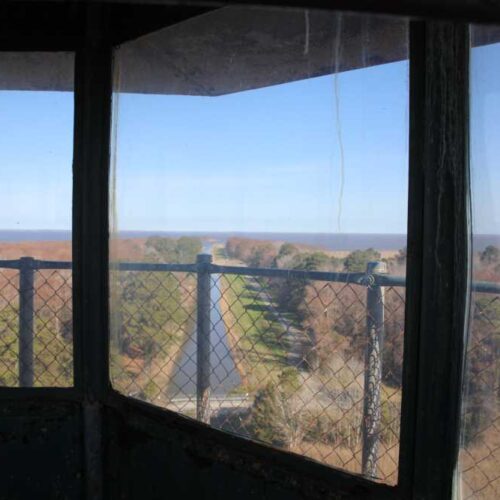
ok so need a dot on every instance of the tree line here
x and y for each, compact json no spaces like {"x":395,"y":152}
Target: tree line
{"x":153,"y":314}
{"x":334,"y":315}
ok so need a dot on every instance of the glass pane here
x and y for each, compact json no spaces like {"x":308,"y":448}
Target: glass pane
{"x":36,"y":151}
{"x":269,"y":141}
{"x":480,"y":447}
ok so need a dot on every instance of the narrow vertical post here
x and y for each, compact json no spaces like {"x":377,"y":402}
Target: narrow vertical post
{"x":203,"y":339}
{"x":91,"y":159}
{"x":26,"y":314}
{"x":438,"y":260}
{"x":373,"y":368}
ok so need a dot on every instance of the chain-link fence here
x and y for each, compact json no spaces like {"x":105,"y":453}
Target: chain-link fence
{"x":310,"y":362}
{"x":36,"y":323}
{"x":306,"y":361}
{"x":480,"y":451}
{"x":153,"y":317}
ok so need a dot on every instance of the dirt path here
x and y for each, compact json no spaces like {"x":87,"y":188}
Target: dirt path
{"x":298,"y":344}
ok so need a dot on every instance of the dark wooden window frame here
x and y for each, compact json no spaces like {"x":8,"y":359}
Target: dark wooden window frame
{"x":438,"y":257}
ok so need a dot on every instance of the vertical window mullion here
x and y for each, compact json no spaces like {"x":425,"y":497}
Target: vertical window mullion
{"x":414,"y":254}
{"x":90,"y":216}
{"x":93,"y":93}
{"x":438,"y":274}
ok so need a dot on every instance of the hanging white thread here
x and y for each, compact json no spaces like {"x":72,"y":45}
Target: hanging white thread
{"x":307,"y":31}
{"x":338,"y":36}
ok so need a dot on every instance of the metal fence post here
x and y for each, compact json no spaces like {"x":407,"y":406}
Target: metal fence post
{"x":373,"y":368}
{"x":203,"y":339}
{"x":26,"y":315}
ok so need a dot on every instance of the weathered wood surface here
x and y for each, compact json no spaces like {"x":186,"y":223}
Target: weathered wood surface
{"x":151,"y":450}
{"x":439,"y":249}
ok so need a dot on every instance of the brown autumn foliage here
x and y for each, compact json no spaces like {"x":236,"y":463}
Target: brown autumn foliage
{"x":257,"y":253}
{"x":53,"y":287}
{"x":332,"y":315}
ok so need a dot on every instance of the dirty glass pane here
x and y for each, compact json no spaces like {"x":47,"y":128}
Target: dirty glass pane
{"x":269,"y":141}
{"x":479,"y":464}
{"x":36,"y":151}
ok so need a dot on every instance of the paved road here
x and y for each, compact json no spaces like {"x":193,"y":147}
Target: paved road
{"x":216,"y":403}
{"x":296,"y":342}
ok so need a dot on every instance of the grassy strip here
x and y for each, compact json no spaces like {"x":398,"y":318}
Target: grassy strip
{"x":219,"y":254}
{"x":255,"y":336}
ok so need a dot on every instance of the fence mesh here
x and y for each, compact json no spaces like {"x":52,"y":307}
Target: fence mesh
{"x":9,"y":327}
{"x":51,"y":336}
{"x":287,"y":358}
{"x":300,"y":353}
{"x":53,"y":329}
{"x":480,"y":452}
{"x":153,"y":357}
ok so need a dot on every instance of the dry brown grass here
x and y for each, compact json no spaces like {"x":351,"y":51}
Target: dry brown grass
{"x":123,"y":249}
{"x":45,"y":250}
{"x":479,"y":467}
{"x":349,"y":458}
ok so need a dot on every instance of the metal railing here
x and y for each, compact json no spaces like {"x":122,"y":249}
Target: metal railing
{"x":26,"y":268}
{"x":374,"y":280}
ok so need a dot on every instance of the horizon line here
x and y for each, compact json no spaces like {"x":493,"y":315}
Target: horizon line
{"x":208,"y":232}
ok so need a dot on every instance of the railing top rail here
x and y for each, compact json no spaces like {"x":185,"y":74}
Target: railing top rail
{"x":51,"y":264}
{"x":153,"y":267}
{"x":290,"y":274}
{"x":10,"y":264}
{"x":35,"y":264}
{"x":389,"y":280}
{"x":342,"y":277}
{"x":485,"y":287}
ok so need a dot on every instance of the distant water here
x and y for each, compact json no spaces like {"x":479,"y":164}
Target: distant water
{"x":16,"y":235}
{"x":339,"y":241}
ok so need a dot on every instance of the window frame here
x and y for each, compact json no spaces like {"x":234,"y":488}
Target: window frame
{"x":438,"y":266}
{"x":434,"y":46}
{"x":435,"y":266}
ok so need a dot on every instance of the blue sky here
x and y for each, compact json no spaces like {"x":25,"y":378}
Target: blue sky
{"x":268,"y":159}
{"x":485,"y":139}
{"x":36,"y":148}
{"x":261,"y":160}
